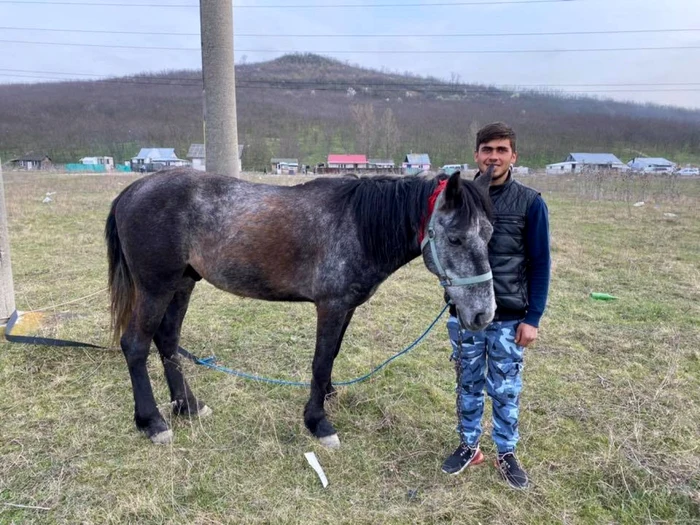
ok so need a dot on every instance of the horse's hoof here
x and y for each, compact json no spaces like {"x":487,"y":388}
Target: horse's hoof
{"x":332,"y":441}
{"x":182,"y":408}
{"x":163,"y":438}
{"x":204,"y":411}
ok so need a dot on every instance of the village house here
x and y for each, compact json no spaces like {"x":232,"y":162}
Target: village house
{"x":652,"y":165}
{"x":154,"y":159}
{"x":382,"y":165}
{"x":198,"y":157}
{"x":107,"y":162}
{"x":32,"y":161}
{"x":337,"y":163}
{"x":586,"y":162}
{"x":415,"y":163}
{"x":283,"y":166}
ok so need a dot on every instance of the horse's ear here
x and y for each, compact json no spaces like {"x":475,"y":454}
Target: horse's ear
{"x":483,"y":181}
{"x":453,"y":191}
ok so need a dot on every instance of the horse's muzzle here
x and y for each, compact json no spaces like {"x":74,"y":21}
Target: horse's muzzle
{"x":478,"y":321}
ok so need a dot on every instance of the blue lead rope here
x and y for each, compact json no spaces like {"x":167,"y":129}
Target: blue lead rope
{"x":210,"y":362}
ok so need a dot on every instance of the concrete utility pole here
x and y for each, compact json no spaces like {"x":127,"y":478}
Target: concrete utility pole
{"x":221,"y":132}
{"x":7,"y":290}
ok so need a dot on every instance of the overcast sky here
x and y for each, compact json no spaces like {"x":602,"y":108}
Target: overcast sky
{"x":674,"y":74}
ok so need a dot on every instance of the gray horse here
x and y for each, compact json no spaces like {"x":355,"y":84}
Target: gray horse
{"x":331,"y":241}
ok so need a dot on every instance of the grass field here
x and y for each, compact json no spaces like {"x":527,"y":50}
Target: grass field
{"x":610,"y":408}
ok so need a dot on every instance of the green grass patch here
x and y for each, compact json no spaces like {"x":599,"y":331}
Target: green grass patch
{"x":610,"y":408}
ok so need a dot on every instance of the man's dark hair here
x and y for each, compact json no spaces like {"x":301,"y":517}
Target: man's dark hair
{"x":495,"y":131}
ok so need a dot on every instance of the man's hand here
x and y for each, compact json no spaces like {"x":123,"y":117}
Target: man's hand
{"x":525,"y":334}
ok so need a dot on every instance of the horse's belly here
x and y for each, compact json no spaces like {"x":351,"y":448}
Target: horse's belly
{"x":265,"y":294}
{"x":253,"y":282}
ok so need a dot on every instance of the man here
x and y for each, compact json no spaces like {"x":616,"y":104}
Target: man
{"x":520,"y":262}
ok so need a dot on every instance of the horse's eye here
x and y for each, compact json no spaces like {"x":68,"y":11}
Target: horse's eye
{"x":454,"y":241}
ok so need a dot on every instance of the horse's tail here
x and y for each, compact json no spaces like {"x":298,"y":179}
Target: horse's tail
{"x":121,"y":284}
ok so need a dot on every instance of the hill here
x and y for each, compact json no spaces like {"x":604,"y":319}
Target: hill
{"x":306,"y":106}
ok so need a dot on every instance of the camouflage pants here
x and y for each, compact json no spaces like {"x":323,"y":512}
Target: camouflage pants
{"x":493,"y":348}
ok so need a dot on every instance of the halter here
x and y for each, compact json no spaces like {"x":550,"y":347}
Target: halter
{"x":430,"y":239}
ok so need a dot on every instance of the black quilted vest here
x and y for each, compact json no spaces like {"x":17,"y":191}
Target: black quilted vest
{"x":507,"y":252}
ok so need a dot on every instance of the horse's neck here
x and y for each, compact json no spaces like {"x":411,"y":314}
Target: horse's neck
{"x":412,"y":249}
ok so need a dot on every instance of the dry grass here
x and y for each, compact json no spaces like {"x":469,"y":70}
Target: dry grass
{"x":611,"y":405}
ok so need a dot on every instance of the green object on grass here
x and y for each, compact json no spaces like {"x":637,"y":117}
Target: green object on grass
{"x":603,"y":296}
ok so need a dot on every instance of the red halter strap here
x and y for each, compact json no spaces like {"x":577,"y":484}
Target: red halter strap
{"x":431,"y":206}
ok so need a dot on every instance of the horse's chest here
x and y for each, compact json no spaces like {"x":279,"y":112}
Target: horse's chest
{"x":362,"y":287}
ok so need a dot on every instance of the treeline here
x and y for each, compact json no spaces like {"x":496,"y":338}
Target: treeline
{"x":306,"y":106}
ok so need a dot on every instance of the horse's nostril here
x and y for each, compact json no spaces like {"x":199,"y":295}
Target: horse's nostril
{"x":480,"y":318}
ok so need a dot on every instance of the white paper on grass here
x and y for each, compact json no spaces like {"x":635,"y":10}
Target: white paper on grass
{"x":313,"y":461}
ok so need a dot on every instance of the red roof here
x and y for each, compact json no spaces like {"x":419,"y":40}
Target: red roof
{"x":347,"y":159}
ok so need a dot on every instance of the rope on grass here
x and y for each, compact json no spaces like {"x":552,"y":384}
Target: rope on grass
{"x":208,"y":362}
{"x":54,"y":306}
{"x":211,"y":363}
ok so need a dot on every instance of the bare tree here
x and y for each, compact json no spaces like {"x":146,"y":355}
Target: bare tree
{"x":471,"y":135}
{"x":365,"y":126}
{"x":389,"y":134}
{"x":69,"y":120}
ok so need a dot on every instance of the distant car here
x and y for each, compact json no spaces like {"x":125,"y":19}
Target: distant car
{"x":449,"y":169}
{"x":689,"y":171}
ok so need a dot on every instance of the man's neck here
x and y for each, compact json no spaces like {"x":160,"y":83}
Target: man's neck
{"x":500,"y":181}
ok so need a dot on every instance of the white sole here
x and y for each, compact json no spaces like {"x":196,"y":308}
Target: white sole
{"x":471,"y":462}
{"x":204,"y":411}
{"x":330,"y":441}
{"x":163,"y":438}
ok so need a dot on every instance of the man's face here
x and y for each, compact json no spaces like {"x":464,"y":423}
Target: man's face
{"x":499,"y":153}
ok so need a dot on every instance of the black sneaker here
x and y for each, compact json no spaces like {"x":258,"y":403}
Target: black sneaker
{"x":511,"y":471}
{"x":462,"y":458}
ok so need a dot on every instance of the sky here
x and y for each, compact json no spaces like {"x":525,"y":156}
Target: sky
{"x":431,"y":40}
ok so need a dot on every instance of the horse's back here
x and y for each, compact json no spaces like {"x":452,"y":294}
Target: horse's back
{"x":255,"y":240}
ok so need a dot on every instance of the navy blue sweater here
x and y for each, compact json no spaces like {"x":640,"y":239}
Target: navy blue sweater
{"x":539,"y":260}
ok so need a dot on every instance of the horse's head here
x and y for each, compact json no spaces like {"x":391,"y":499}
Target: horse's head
{"x":455,"y":248}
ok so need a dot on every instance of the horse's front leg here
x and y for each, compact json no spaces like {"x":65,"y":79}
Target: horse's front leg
{"x":330,"y":326}
{"x":330,"y":389}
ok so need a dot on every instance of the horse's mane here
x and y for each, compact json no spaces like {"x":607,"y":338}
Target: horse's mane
{"x":389,"y":210}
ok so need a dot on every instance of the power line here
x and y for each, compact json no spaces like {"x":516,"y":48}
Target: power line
{"x":101,"y":77}
{"x":101,"y":81}
{"x":97,"y":31}
{"x":92,"y":4}
{"x":159,"y":48}
{"x":472,"y":52}
{"x":300,"y":6}
{"x":446,"y":84}
{"x":412,"y":4}
{"x":374,"y":35}
{"x":464,"y":91}
{"x":373,"y":52}
{"x":311,"y":83}
{"x":470,"y":35}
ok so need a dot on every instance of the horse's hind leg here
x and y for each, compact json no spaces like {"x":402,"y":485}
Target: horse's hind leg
{"x":167,"y":339}
{"x":135,"y":343}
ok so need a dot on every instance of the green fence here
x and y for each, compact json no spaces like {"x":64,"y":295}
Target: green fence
{"x":95,"y":168}
{"x":89,"y":168}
